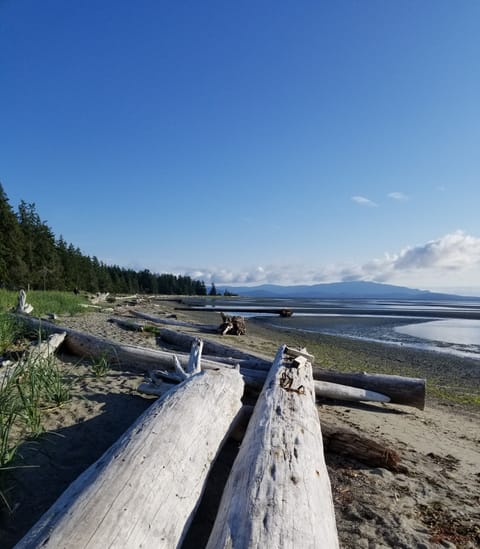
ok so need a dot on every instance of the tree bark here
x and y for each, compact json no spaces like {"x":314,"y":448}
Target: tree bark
{"x":143,"y":491}
{"x":400,"y":390}
{"x":409,"y":391}
{"x":278,"y":494}
{"x":172,"y":322}
{"x":210,"y":347}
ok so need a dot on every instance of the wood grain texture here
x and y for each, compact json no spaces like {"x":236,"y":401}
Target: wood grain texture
{"x":278,"y":494}
{"x":143,"y":491}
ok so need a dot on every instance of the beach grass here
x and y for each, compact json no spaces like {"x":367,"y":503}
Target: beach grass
{"x":44,"y":302}
{"x":28,"y":388}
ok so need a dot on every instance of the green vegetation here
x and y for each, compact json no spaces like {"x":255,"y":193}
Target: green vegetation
{"x":27,"y":390}
{"x":100,"y":366}
{"x":31,"y":257}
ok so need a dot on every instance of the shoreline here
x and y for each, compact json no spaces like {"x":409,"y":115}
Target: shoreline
{"x":434,"y":504}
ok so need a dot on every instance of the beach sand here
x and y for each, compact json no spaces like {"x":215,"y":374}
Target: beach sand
{"x":435,"y":502}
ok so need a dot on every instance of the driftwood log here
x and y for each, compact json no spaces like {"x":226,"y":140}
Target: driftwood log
{"x":399,"y":389}
{"x":409,"y":391}
{"x":22,"y":306}
{"x":41,"y":350}
{"x":172,"y":321}
{"x":232,"y":325}
{"x":403,"y":390}
{"x":143,"y":491}
{"x":210,"y":347}
{"x":127,"y":324}
{"x":278,"y":493}
{"x":338,"y":440}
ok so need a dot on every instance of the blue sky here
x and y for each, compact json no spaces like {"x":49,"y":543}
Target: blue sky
{"x":250,"y":142}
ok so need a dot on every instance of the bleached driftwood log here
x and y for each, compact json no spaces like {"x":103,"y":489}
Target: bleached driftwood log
{"x":409,"y":391}
{"x":41,"y":350}
{"x":210,"y":347}
{"x":22,"y":306}
{"x":157,"y":386}
{"x":143,"y":491}
{"x":99,"y":297}
{"x":46,"y":348}
{"x":336,"y":391}
{"x":338,"y":440}
{"x":278,"y":493}
{"x":171,"y":321}
{"x":145,"y":359}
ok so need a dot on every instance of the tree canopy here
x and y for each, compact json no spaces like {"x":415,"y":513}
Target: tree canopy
{"x":32,"y":257}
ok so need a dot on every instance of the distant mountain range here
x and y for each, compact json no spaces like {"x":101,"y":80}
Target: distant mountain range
{"x":338,"y":290}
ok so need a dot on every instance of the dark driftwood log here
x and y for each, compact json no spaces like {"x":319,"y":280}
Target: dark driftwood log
{"x":409,"y":391}
{"x":338,"y":440}
{"x":373,"y":453}
{"x":127,"y":324}
{"x":232,"y":325}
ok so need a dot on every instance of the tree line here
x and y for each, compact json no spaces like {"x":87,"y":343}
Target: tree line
{"x":31,"y":257}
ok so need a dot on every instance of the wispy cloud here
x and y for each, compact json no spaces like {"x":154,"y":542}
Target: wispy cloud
{"x":454,"y":253}
{"x":364,"y":201}
{"x":400,"y":197}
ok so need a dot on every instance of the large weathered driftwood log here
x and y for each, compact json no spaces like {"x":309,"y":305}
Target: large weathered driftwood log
{"x":145,"y":359}
{"x":143,"y":491}
{"x":171,"y":321}
{"x":409,"y":391}
{"x":400,"y":390}
{"x":278,"y":494}
{"x":338,"y":440}
{"x":210,"y":347}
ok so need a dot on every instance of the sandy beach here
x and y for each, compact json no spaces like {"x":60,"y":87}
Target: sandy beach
{"x":434,"y":502}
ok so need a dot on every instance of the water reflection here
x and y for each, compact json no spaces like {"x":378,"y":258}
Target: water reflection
{"x":457,"y":331}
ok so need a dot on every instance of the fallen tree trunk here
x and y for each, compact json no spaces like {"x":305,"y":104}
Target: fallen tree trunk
{"x":337,"y":391}
{"x":172,"y":322}
{"x":127,"y":324}
{"x":278,"y":493}
{"x":400,"y":390}
{"x":373,"y":453}
{"x":409,"y":391}
{"x":37,"y":352}
{"x":184,"y":341}
{"x":143,"y":491}
{"x":145,"y":359}
{"x":338,"y":440}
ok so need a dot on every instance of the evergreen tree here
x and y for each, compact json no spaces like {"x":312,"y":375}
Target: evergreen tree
{"x":13,"y":271}
{"x":213,"y":290}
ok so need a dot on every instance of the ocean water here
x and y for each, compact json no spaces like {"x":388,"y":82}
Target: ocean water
{"x":443,"y":326}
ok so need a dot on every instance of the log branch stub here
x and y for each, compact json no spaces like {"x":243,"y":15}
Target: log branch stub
{"x":22,"y":306}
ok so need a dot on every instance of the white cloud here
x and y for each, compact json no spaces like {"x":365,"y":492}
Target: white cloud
{"x":453,"y":259}
{"x":364,"y":201}
{"x":400,"y":197}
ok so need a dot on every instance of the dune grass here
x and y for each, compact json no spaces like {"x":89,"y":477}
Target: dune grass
{"x":45,"y":302}
{"x":29,"y":386}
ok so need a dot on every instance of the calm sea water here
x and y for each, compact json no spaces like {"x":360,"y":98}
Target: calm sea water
{"x":448,"y":326}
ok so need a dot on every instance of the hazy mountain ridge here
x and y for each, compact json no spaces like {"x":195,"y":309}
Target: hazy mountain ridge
{"x":337,"y":290}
